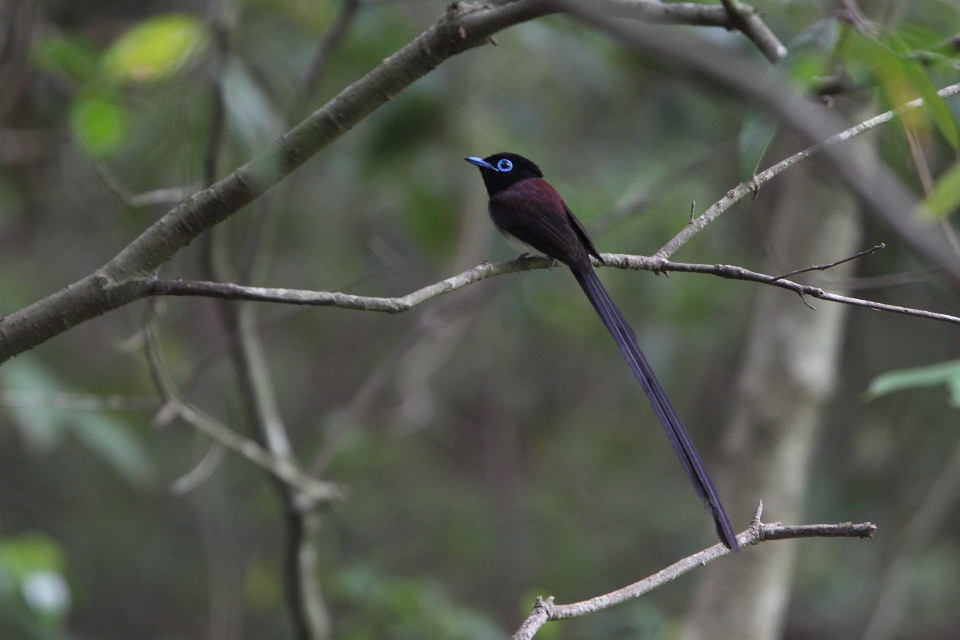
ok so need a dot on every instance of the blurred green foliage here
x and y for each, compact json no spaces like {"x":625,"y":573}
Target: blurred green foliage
{"x":494,"y":446}
{"x":944,"y":373}
{"x":34,"y":596}
{"x":154,"y":48}
{"x":99,"y":122}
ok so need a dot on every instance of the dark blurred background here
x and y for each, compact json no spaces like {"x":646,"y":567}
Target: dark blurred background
{"x":494,"y":445}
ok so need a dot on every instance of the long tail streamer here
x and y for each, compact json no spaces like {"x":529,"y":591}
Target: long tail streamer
{"x":627,"y":342}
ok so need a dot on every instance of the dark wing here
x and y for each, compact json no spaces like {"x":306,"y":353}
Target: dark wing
{"x":582,"y":233}
{"x":534,"y":213}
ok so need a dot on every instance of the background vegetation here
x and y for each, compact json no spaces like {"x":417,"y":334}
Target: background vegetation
{"x":492,"y":443}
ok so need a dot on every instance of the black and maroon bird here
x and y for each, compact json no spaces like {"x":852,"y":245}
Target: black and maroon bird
{"x":523,"y":205}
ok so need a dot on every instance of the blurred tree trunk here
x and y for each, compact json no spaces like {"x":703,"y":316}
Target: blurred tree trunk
{"x":787,"y":375}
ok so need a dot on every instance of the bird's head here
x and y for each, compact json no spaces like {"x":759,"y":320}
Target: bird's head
{"x":502,"y":170}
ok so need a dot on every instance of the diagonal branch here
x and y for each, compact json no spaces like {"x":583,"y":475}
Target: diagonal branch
{"x":545,"y":610}
{"x":311,"y":490}
{"x":747,"y":21}
{"x":752,"y":185}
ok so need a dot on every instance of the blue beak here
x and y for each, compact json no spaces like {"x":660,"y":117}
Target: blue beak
{"x":480,"y":162}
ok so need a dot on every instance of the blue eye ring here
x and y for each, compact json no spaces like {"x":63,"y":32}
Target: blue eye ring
{"x":504,"y":165}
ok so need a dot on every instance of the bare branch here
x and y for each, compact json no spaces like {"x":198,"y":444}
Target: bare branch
{"x":737,"y":15}
{"x":345,"y":300}
{"x":486,"y":270}
{"x":328,"y":44}
{"x":200,"y":472}
{"x":77,"y":401}
{"x":824,"y":267}
{"x":747,"y":20}
{"x":311,"y":489}
{"x":545,"y":610}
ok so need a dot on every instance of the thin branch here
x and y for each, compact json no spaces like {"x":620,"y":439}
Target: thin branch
{"x":328,"y":44}
{"x":824,"y":267}
{"x":77,"y":401}
{"x":311,"y":490}
{"x":747,"y":20}
{"x":485,"y":270}
{"x":545,"y":610}
{"x":167,"y":195}
{"x":739,"y":273}
{"x":200,"y":472}
{"x":229,"y":291}
{"x":742,"y":17}
{"x":752,"y":185}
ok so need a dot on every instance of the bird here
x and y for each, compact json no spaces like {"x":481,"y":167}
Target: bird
{"x":523,"y":206}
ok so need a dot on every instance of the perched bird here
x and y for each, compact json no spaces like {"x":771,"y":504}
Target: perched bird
{"x":523,"y":205}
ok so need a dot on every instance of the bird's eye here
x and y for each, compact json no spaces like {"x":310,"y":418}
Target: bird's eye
{"x":504,"y":165}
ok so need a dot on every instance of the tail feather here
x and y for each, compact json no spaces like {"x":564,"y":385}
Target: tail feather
{"x":627,"y":342}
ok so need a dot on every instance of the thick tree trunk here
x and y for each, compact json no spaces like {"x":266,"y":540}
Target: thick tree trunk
{"x":787,"y":375}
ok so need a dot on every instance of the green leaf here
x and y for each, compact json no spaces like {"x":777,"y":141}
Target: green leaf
{"x":804,"y":68}
{"x":71,"y":56}
{"x":946,"y":373}
{"x":42,"y":423}
{"x":99,"y":122}
{"x":919,"y":38}
{"x":155,"y":48}
{"x":945,"y":196}
{"x":112,"y":441}
{"x":27,"y":553}
{"x":754,"y":139}
{"x":903,"y":79}
{"x":932,"y":102}
{"x":888,"y":70}
{"x":33,"y":564}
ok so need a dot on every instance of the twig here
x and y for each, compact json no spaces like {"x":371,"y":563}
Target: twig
{"x":824,"y":267}
{"x":167,"y":195}
{"x":545,"y":610}
{"x":200,"y":472}
{"x":311,"y":490}
{"x":77,"y":401}
{"x":484,"y":270}
{"x":328,"y":44}
{"x":743,"y":18}
{"x":738,"y":273}
{"x":746,"y":20}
